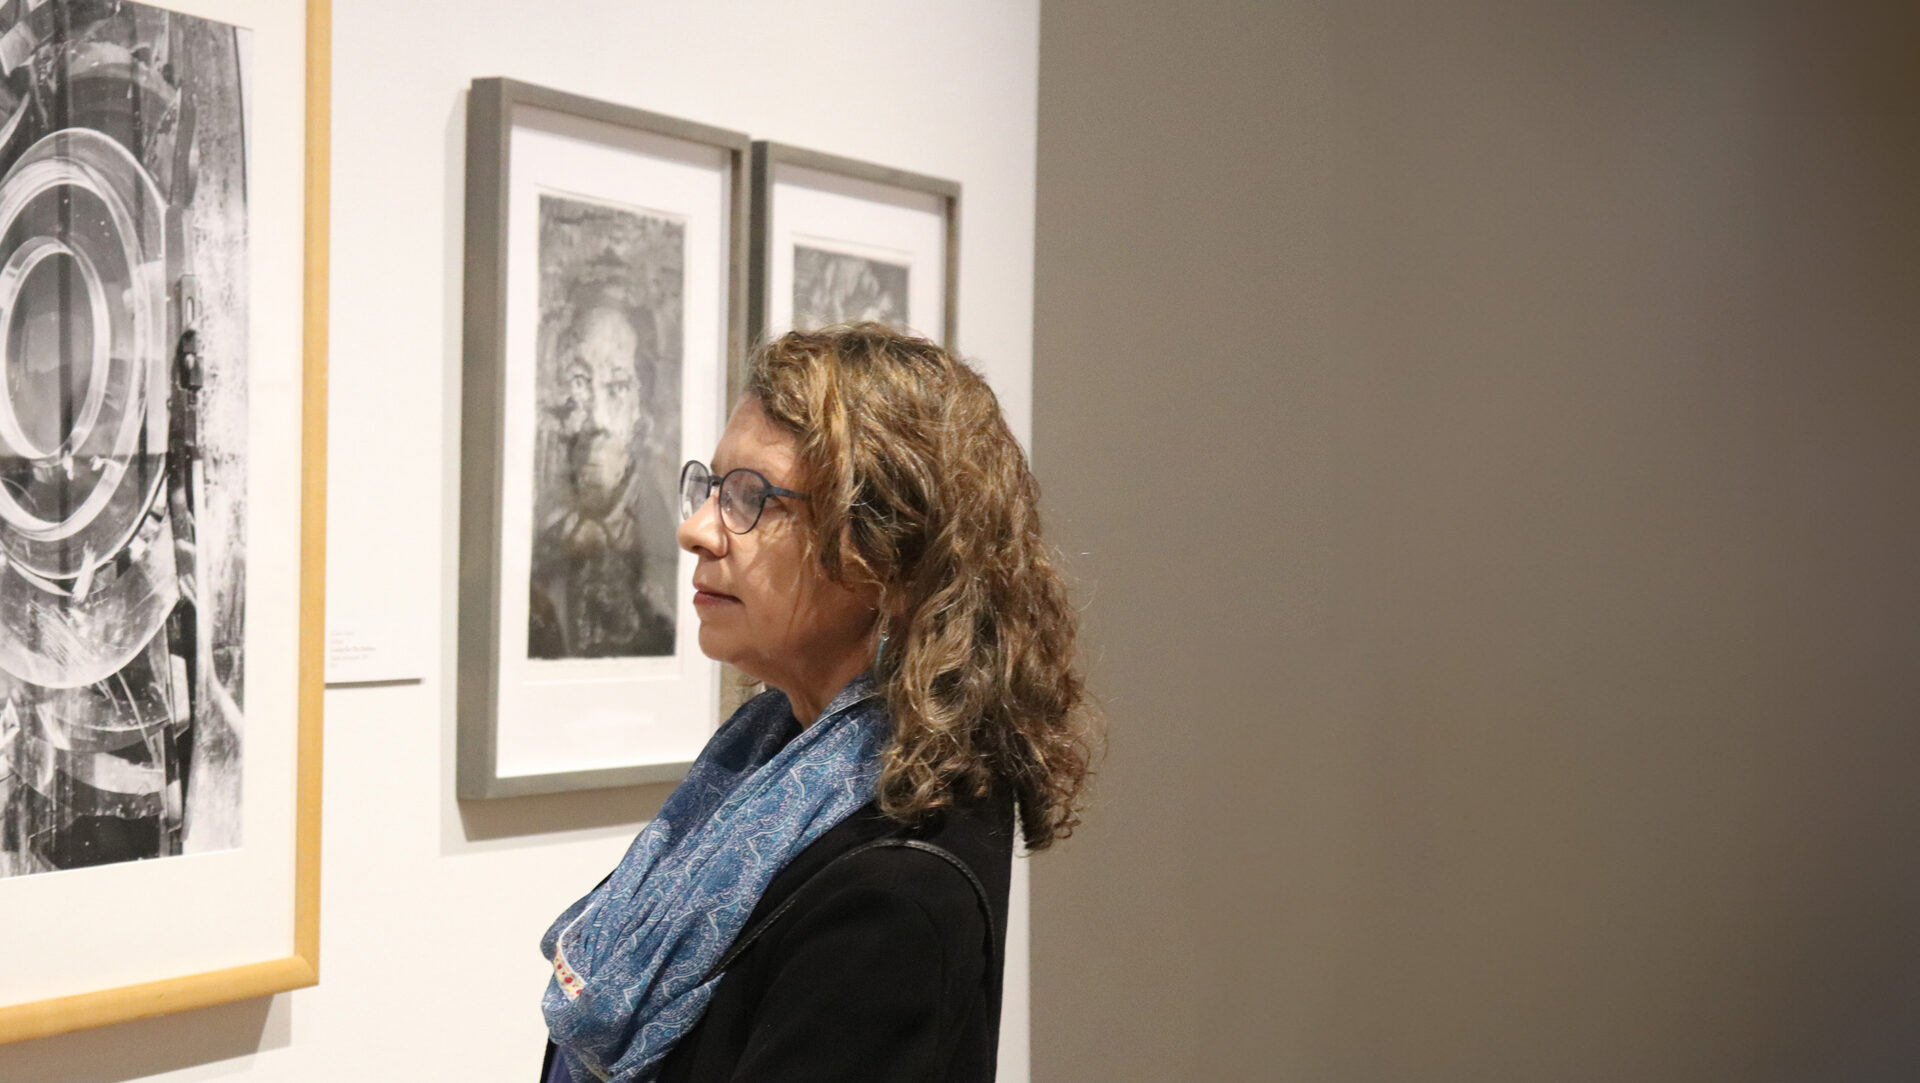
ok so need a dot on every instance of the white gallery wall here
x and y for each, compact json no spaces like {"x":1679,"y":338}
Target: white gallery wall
{"x":432,"y":907}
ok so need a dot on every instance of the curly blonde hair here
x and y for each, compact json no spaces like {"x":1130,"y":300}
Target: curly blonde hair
{"x":917,"y":486}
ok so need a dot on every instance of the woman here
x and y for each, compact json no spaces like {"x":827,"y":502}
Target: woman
{"x":824,"y":896}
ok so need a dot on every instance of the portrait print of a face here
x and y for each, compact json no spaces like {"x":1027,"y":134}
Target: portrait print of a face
{"x":836,"y":287}
{"x":607,"y":433}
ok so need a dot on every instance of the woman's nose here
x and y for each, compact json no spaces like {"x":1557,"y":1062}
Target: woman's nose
{"x":701,"y":532}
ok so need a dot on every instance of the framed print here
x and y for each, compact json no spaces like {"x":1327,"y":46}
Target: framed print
{"x":837,"y":240}
{"x":604,"y":323}
{"x":163,"y":229}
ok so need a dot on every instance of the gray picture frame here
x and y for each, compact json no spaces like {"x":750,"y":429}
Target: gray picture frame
{"x":769,"y":155}
{"x":491,"y":104}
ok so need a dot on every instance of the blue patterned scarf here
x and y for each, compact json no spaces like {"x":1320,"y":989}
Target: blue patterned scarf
{"x":630,"y":959}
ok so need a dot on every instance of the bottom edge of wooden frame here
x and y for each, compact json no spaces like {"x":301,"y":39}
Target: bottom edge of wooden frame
{"x":80,"y":1011}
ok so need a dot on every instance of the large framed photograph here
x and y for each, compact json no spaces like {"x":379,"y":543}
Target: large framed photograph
{"x":163,"y":172}
{"x":605,"y":320}
{"x":836,"y":240}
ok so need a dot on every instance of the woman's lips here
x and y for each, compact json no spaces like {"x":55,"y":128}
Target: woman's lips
{"x":711,"y":597}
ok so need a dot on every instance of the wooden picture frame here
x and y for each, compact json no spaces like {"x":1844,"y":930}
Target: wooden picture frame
{"x":605,"y":323}
{"x":868,"y":217}
{"x":279,"y":358}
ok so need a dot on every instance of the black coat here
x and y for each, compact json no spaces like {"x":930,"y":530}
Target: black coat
{"x":880,"y":971}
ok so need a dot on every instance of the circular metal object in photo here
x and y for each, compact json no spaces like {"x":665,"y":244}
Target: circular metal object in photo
{"x":84,"y":366}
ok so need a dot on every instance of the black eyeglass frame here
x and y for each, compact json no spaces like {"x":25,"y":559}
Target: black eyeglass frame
{"x":716,"y":482}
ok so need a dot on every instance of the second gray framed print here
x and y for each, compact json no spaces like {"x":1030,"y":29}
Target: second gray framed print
{"x":837,"y":240}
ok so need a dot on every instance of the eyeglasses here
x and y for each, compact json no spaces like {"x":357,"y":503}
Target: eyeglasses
{"x":743,"y":494}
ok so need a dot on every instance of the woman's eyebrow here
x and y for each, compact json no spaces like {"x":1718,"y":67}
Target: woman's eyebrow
{"x":722,"y":467}
{"x":722,"y":470}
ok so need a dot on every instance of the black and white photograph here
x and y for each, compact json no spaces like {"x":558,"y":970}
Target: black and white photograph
{"x":607,"y":433}
{"x":123,"y":428}
{"x":604,"y":309}
{"x":832,"y":287}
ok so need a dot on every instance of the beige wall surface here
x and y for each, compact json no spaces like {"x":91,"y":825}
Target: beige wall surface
{"x":1488,"y":437}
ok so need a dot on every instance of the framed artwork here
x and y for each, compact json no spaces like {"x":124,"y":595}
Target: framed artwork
{"x":163,"y":230}
{"x":605,"y":320}
{"x":837,"y":240}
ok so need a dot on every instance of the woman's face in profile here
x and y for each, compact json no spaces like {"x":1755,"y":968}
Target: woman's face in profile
{"x":765,"y":606}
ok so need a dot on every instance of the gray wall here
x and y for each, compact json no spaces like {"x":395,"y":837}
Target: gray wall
{"x":1488,"y":435}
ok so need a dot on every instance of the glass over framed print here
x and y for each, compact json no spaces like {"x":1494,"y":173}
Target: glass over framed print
{"x":604,"y":320}
{"x":163,"y":227}
{"x":837,"y":240}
